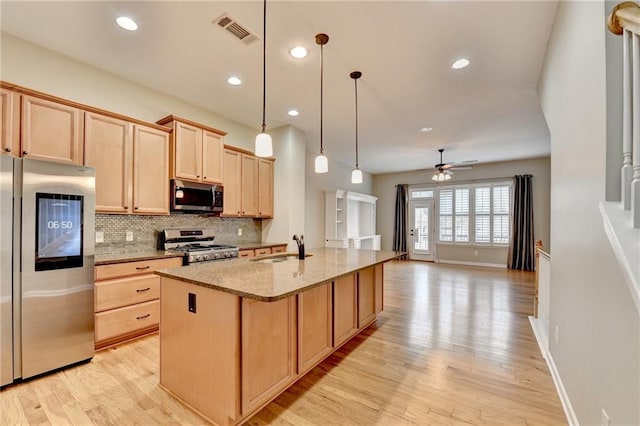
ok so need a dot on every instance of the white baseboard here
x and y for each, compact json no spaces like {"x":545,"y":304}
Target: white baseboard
{"x":555,"y":375}
{"x":461,"y":262}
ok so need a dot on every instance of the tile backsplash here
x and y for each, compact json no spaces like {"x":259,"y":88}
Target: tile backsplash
{"x":146,"y":228}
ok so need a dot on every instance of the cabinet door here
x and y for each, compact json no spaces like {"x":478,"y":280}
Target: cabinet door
{"x":150,"y":171}
{"x":212,"y":153}
{"x":51,"y":131}
{"x":107,"y":147}
{"x":188,"y":151}
{"x":9,"y":123}
{"x":249,"y":191}
{"x":265,"y":187}
{"x":345,"y":309}
{"x":379,"y":288}
{"x":232,"y":176}
{"x":366,"y":297}
{"x":268,"y":350}
{"x":314,"y":326}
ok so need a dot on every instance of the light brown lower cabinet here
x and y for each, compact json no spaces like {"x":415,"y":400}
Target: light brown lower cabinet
{"x":227,"y":356}
{"x":315,"y":323}
{"x":366,"y":297}
{"x":127,"y":300}
{"x":268,"y":350}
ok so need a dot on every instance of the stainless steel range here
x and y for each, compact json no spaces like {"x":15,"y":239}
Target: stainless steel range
{"x":196,"y":244}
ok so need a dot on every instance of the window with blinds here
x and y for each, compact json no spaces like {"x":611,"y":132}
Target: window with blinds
{"x":478,"y":214}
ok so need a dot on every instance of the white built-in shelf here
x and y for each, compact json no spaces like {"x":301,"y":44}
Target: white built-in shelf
{"x":350,"y":220}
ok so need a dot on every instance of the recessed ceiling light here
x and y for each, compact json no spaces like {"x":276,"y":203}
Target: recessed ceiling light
{"x":293,"y":113}
{"x":425,"y":129}
{"x":127,"y":23}
{"x":460,"y":63}
{"x":298,"y":52}
{"x":234,"y":81}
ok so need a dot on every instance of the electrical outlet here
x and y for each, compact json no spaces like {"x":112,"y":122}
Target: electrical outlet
{"x":557,"y":336}
{"x":239,"y":232}
{"x":604,"y":418}
{"x":129,"y":236}
{"x":99,"y":237}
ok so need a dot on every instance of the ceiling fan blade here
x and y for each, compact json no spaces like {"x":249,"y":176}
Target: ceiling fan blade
{"x":461,"y":168}
{"x":446,"y":166}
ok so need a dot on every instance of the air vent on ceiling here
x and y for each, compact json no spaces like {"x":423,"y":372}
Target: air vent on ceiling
{"x":240,"y":32}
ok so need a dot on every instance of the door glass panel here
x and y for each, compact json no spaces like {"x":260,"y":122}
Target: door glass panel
{"x":421,"y":229}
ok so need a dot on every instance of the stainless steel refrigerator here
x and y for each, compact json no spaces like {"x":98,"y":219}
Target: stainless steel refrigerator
{"x":47,"y":225}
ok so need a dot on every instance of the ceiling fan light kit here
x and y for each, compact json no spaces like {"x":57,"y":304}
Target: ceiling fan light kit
{"x":264,"y":144}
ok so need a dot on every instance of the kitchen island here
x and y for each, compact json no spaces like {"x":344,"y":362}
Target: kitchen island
{"x":235,"y":334}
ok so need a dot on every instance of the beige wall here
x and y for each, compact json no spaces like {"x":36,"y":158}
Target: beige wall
{"x":31,"y":66}
{"x":339,"y":177}
{"x":384,"y":189}
{"x":598,"y":351}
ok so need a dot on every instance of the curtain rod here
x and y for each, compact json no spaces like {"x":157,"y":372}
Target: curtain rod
{"x":459,"y":182}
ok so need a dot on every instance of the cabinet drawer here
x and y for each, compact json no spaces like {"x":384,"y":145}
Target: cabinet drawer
{"x":246,"y":253}
{"x":262,"y":251}
{"x":135,"y":268}
{"x":126,"y":320}
{"x":126,"y":291}
{"x":278,"y":249}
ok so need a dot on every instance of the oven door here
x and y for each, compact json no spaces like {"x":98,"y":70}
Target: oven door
{"x":195,"y":197}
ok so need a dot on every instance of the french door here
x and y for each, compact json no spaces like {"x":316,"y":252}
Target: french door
{"x":421,"y":230}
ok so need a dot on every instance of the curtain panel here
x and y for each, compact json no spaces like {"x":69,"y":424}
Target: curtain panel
{"x":522,"y":254}
{"x":400,"y":228}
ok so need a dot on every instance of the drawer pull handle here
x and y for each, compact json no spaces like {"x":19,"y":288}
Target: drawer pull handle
{"x":7,"y":149}
{"x":143,"y":317}
{"x":142,"y":290}
{"x":142,"y":268}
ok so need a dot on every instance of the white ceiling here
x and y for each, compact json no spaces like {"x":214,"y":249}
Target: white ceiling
{"x":487,"y":112}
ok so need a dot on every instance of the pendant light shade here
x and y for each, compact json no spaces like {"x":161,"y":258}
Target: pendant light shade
{"x":356,"y":174}
{"x":264,"y":146}
{"x":322,"y":164}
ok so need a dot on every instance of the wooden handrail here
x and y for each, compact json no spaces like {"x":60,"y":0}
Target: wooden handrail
{"x":537,"y":278}
{"x":625,"y":15}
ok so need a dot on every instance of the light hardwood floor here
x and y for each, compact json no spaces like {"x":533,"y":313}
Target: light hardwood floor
{"x":453,"y":346}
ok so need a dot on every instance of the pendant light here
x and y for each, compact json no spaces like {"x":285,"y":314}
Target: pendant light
{"x":322,"y":164}
{"x":356,"y":174}
{"x":264,"y":146}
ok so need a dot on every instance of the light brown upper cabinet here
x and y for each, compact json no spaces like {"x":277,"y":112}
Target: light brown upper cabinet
{"x":248,"y":184}
{"x":150,"y":170}
{"x":196,"y":151}
{"x":249,"y":193}
{"x":51,"y":131}
{"x":9,"y":122}
{"x":108,"y":148}
{"x":265,"y":187}
{"x":131,"y":162}
{"x":232,"y":189}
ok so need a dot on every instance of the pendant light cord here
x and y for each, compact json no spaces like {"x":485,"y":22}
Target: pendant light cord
{"x":264,"y":66}
{"x":356,"y":86}
{"x":321,"y":92}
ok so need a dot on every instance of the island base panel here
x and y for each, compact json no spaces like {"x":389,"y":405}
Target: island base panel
{"x":200,"y":352}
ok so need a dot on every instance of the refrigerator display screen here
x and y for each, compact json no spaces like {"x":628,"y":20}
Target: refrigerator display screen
{"x":58,"y":231}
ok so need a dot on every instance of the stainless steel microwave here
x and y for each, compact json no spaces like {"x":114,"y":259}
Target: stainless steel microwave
{"x":196,"y":197}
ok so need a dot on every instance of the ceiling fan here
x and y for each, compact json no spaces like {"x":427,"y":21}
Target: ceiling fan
{"x":443,"y":171}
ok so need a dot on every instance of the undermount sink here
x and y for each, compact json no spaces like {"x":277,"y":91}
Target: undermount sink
{"x":277,"y":257}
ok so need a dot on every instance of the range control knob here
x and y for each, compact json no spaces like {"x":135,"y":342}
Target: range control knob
{"x":191,"y":259}
{"x":217,"y":255}
{"x":205,"y":257}
{"x":227,"y":254}
{"x":199,"y":258}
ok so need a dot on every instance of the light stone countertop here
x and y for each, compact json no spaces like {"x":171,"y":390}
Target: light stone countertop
{"x":269,"y":282}
{"x":132,"y":256}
